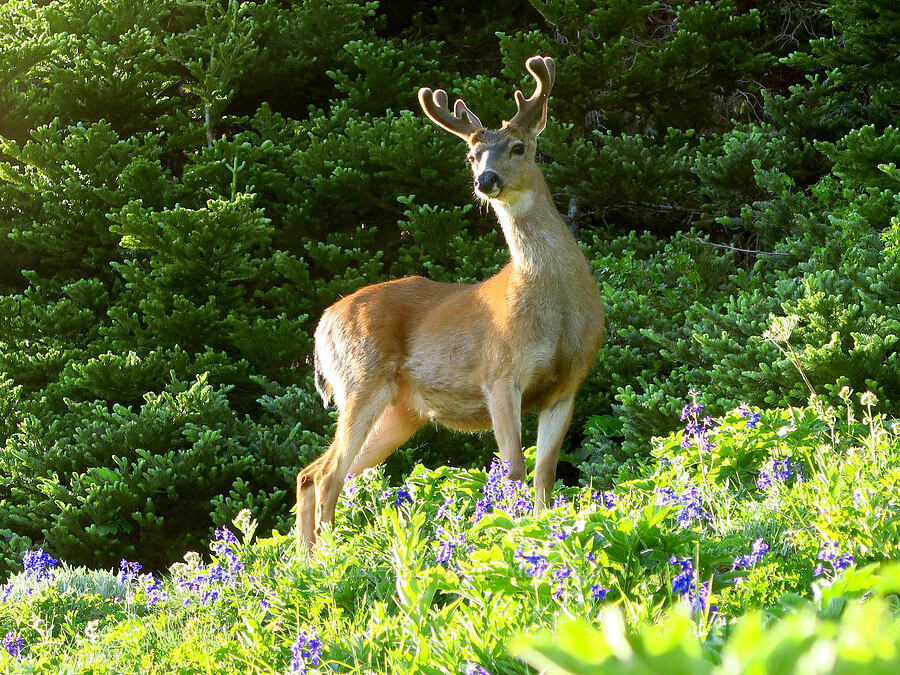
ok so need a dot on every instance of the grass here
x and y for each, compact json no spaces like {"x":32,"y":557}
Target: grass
{"x":761,"y":541}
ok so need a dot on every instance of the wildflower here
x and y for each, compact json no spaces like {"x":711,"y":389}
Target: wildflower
{"x":752,"y":416}
{"x":598,"y":592}
{"x":351,"y":486}
{"x":536,"y":565}
{"x":696,"y":430}
{"x":690,"y":500}
{"x":510,"y":496}
{"x":830,"y":554}
{"x":403,"y":497}
{"x":128,"y":571}
{"x":306,"y":651}
{"x":37,"y":564}
{"x":153,"y":589}
{"x":444,"y":508}
{"x":560,"y":501}
{"x":14,"y":644}
{"x":607,"y":498}
{"x":757,"y":551}
{"x":5,"y":592}
{"x":778,"y":471}
{"x":447,"y":547}
{"x":683,"y":583}
{"x":561,"y":575}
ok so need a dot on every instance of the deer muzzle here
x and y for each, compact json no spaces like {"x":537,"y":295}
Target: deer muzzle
{"x":488,"y":183}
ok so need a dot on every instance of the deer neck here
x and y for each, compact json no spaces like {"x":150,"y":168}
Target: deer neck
{"x":540,"y":244}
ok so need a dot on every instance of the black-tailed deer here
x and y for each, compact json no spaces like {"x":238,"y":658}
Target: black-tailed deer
{"x":399,"y":354}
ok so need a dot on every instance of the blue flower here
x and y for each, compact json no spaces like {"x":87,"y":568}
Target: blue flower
{"x":608,"y":498}
{"x":778,"y":470}
{"x":305,"y":651}
{"x":14,"y":644}
{"x":37,"y":564}
{"x":690,"y":500}
{"x":128,"y":571}
{"x":536,"y":565}
{"x":683,"y":583}
{"x":598,"y":592}
{"x":447,"y":547}
{"x":403,"y":496}
{"x":508,"y":495}
{"x":831,"y":554}
{"x":752,"y":416}
{"x":758,"y":550}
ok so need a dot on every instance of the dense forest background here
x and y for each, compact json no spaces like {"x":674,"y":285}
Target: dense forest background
{"x":186,"y":185}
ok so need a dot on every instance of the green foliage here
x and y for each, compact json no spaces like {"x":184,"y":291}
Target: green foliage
{"x":185,"y":186}
{"x":450,"y":572}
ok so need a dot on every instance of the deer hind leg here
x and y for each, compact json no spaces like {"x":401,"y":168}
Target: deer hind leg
{"x":395,"y":426}
{"x":552,"y":426}
{"x":319,"y":485}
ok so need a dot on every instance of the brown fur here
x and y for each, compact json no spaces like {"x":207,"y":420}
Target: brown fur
{"x":399,"y":354}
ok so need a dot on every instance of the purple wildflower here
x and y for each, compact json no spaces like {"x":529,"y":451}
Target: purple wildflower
{"x":598,"y":592}
{"x":758,"y":550}
{"x":832,"y":555}
{"x":128,"y":571}
{"x":508,"y":495}
{"x":607,"y":498}
{"x":37,"y":564}
{"x":447,"y":547}
{"x":560,"y":501}
{"x":306,"y":651}
{"x":696,"y":430}
{"x":752,"y":416}
{"x":690,"y":500}
{"x":683,"y":583}
{"x":403,"y":496}
{"x":536,"y":565}
{"x":13,"y":644}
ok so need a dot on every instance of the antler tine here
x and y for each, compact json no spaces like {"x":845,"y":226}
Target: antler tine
{"x":461,"y":122}
{"x":531,"y":111}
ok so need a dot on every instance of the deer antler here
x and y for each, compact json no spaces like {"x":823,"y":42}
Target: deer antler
{"x":462,"y":121}
{"x":532,"y":112}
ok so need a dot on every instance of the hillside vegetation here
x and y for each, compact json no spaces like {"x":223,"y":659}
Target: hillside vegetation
{"x":185,"y":185}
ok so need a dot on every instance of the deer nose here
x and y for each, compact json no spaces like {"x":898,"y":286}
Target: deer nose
{"x":489,"y":184}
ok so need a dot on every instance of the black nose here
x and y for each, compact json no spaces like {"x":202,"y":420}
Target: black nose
{"x":488,"y":183}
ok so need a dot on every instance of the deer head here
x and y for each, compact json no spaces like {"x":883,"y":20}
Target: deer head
{"x":502,"y":160}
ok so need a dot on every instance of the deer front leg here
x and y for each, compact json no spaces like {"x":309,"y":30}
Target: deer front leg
{"x":504,"y":401}
{"x":552,"y":426}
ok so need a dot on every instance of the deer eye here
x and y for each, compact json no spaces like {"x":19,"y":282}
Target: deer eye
{"x":470,"y":159}
{"x":518,"y":149}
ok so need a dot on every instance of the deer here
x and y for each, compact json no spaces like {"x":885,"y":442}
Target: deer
{"x":397,"y":355}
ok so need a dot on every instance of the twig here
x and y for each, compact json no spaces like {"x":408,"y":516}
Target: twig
{"x":734,"y":248}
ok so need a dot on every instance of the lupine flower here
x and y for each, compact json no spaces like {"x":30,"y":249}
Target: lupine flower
{"x":598,"y":592}
{"x":128,"y":571}
{"x":13,"y":644}
{"x":690,"y":500}
{"x":696,"y":430}
{"x":511,"y":496}
{"x":778,"y":470}
{"x":831,"y":555}
{"x":306,"y":651}
{"x":684,"y":585}
{"x":608,"y":498}
{"x":757,"y":551}
{"x":751,"y":416}
{"x":403,"y":497}
{"x":206,"y":584}
{"x":37,"y":564}
{"x":560,"y":501}
{"x":536,"y":565}
{"x":5,"y":591}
